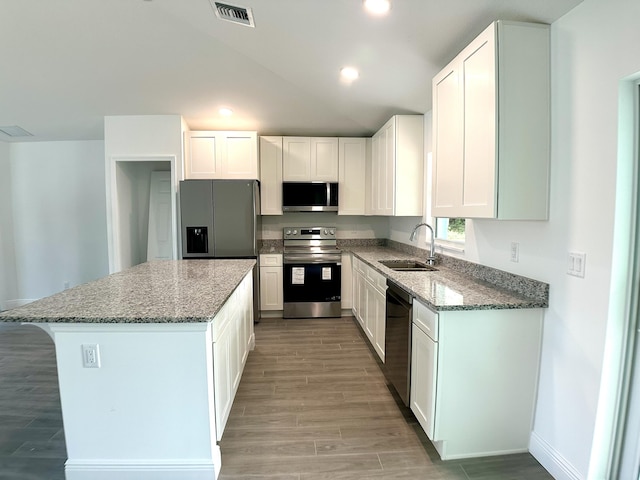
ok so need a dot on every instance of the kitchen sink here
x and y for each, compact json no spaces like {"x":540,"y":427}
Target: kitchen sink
{"x":408,"y":266}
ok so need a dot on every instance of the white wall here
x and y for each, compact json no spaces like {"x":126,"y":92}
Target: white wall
{"x":592,"y":50}
{"x":8,"y":278}
{"x":59,"y":228}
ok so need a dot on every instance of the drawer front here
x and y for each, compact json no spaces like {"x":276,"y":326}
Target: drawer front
{"x":426,"y":319}
{"x":271,"y":260}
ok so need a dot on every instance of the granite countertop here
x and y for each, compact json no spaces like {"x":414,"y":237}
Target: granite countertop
{"x":450,"y":289}
{"x":161,"y":291}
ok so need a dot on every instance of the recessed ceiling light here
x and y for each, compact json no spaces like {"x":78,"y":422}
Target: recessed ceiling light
{"x":349,"y":73}
{"x":377,"y":7}
{"x":225,"y":112}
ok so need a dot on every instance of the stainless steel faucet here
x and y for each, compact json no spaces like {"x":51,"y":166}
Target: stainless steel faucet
{"x":432,"y":256}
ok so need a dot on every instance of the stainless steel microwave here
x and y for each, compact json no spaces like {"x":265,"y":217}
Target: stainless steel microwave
{"x":309,"y":196}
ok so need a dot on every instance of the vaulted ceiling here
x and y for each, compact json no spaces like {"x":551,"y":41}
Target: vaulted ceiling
{"x":68,"y":63}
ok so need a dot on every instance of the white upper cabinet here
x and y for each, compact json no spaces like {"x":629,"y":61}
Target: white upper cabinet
{"x":271,"y":175}
{"x":491,"y":126}
{"x":221,"y":155}
{"x":352,"y":161}
{"x":397,"y":168}
{"x":306,"y":159}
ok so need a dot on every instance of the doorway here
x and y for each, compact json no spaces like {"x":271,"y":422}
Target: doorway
{"x":616,"y":445}
{"x":130,"y":193}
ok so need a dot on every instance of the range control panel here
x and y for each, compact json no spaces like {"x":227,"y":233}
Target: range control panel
{"x":309,"y":233}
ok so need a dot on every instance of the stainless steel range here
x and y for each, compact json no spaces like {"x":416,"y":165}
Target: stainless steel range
{"x":312,"y":270}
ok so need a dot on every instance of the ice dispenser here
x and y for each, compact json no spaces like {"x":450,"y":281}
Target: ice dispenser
{"x":197,"y":240}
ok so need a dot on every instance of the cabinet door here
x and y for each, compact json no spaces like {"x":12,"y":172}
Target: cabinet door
{"x":352,"y":158}
{"x":346,"y":283}
{"x":380,"y":302}
{"x":447,"y":143}
{"x":387,"y":192}
{"x":479,"y":96}
{"x":324,"y":159}
{"x":222,"y":380}
{"x":370,"y":311}
{"x":355,"y":284}
{"x":362,"y":302}
{"x":239,"y":155}
{"x":271,"y":175}
{"x":296,"y":159}
{"x":271,"y":288}
{"x":424,"y":364}
{"x":374,"y":175}
{"x":204,"y":158}
{"x":235,"y":349}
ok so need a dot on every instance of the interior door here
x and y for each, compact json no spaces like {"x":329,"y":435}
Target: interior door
{"x":160,"y":236}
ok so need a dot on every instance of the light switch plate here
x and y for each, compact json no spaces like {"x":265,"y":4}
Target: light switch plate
{"x":577,"y":263}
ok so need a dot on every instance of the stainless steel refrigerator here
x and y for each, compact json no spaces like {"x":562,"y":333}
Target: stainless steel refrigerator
{"x":221,"y":219}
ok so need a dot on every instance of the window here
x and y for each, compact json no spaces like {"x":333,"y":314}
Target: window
{"x":450,"y":229}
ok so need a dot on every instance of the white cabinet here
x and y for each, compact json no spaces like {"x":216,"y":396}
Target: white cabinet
{"x":346,"y":283}
{"x":491,"y":118}
{"x":271,"y":175}
{"x":306,"y":159}
{"x":473,"y":378}
{"x":369,"y":303}
{"x":397,"y":167}
{"x":221,"y":155}
{"x":271,"y":282}
{"x":359,"y":291}
{"x":232,"y":338}
{"x":352,"y":163}
{"x":424,"y":365}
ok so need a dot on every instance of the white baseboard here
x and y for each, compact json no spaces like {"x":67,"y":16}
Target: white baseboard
{"x":142,"y":470}
{"x":553,"y":461}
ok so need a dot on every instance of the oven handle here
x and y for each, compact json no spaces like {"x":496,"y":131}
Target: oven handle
{"x":312,"y":259}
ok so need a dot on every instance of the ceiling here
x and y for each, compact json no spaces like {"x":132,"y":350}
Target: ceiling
{"x":68,"y":63}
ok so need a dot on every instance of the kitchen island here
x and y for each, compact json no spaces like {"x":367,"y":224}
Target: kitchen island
{"x":148,"y":360}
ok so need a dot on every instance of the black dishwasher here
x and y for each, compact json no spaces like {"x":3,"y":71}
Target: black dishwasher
{"x":397,"y":340}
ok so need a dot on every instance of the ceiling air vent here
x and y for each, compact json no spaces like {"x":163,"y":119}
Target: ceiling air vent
{"x":15,"y":131}
{"x":235,"y":14}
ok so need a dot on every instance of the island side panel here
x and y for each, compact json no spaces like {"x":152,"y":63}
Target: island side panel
{"x":147,"y":411}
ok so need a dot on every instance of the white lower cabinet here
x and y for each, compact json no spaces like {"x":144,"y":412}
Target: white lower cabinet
{"x":346,"y":283}
{"x":474,"y":376}
{"x":232,"y":338}
{"x":271,"y":296}
{"x":369,"y":303}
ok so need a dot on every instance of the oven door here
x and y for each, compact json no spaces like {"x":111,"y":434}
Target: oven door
{"x":311,"y":288}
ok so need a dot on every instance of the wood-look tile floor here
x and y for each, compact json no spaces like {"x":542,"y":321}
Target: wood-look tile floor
{"x":313,"y":404}
{"x":31,"y":436}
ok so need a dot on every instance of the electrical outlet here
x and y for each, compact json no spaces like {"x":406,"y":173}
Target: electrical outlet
{"x":577,"y":263}
{"x":90,"y":355}
{"x":515,"y":252}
